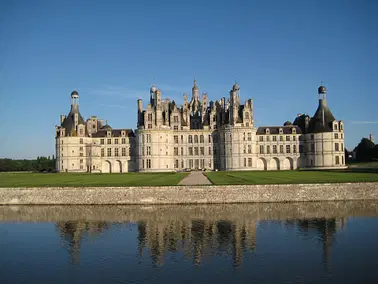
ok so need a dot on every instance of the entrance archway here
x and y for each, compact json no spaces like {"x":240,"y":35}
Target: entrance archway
{"x":275,"y":164}
{"x":106,"y":167}
{"x":261,"y":164}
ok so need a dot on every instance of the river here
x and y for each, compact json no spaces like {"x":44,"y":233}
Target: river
{"x":329,"y":242}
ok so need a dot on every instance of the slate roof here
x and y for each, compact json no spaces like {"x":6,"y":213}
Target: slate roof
{"x":316,"y":122}
{"x":68,"y":122}
{"x":276,"y":130}
{"x":115,"y":133}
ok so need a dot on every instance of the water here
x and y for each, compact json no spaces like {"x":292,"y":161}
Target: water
{"x":256,"y":243}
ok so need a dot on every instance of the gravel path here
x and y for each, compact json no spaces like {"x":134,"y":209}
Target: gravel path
{"x":195,"y":178}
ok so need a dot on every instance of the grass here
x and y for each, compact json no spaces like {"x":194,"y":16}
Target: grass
{"x":95,"y":180}
{"x":290,"y":177}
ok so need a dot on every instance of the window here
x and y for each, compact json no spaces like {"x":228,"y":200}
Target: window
{"x":202,"y":140}
{"x":280,"y":131}
{"x":109,"y":152}
{"x":336,"y":147}
{"x":281,"y":138}
{"x":288,"y":149}
{"x":294,"y":138}
{"x":102,"y":152}
{"x":209,"y":138}
{"x":267,"y":138}
{"x":175,"y":139}
{"x":149,"y":118}
{"x":261,"y":149}
{"x":249,"y":136}
{"x":244,"y":149}
{"x":176,"y":164}
{"x":249,"y":162}
{"x":175,"y":119}
{"x":148,"y":163}
{"x":116,"y":152}
{"x":312,"y":136}
{"x":182,"y":150}
{"x":294,"y":148}
{"x":261,"y":138}
{"x":190,"y":163}
{"x":274,"y":149}
{"x":182,"y":138}
{"x":191,"y":151}
{"x":342,"y":136}
{"x":81,"y":154}
{"x":341,"y":128}
{"x":249,"y":149}
{"x":210,"y":151}
{"x":342,"y":147}
{"x":129,"y":151}
{"x":102,"y":141}
{"x":335,"y":126}
{"x":81,"y":148}
{"x":148,"y":138}
{"x":175,"y":151}
{"x":190,"y":139}
{"x":81,"y":161}
{"x":81,"y":132}
{"x":274,"y":138}
{"x":245,"y":162}
{"x":195,"y":150}
{"x":202,"y":150}
{"x":149,"y":126}
{"x":342,"y":160}
{"x":337,"y":160}
{"x":281,"y":149}
{"x":123,"y":140}
{"x":148,"y":150}
{"x":123,"y":151}
{"x":175,"y":128}
{"x":109,"y":141}
{"x":244,"y":136}
{"x":195,"y":138}
{"x":268,"y":149}
{"x":182,"y":164}
{"x":81,"y":141}
{"x":116,"y":141}
{"x":81,"y":167}
{"x":287,"y":138}
{"x":336,"y":135}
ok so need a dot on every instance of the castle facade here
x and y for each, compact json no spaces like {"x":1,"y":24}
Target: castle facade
{"x":198,"y":134}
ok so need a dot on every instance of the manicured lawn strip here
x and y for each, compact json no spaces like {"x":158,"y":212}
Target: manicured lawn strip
{"x":289,"y":177}
{"x":92,"y":180}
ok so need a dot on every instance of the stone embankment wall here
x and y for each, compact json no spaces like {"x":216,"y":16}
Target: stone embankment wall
{"x":190,"y":194}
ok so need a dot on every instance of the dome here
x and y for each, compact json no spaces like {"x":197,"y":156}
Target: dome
{"x":322,"y":90}
{"x":74,"y":94}
{"x":153,"y":89}
{"x":287,"y":123}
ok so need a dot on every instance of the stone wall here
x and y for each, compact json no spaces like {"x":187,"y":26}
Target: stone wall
{"x":190,"y":194}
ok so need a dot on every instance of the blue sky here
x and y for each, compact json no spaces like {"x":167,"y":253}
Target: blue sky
{"x":112,"y":51}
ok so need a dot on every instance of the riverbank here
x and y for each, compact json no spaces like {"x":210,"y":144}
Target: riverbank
{"x":189,"y":194}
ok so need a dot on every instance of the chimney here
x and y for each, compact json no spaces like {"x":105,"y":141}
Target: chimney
{"x":371,"y":138}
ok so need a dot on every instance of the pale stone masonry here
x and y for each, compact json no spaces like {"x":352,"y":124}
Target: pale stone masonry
{"x":199,"y":134}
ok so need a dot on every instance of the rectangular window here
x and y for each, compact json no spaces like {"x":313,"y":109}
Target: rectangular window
{"x":261,"y":149}
{"x":109,"y":152}
{"x":267,"y":138}
{"x":190,"y":139}
{"x":109,"y":141}
{"x":175,"y":151}
{"x":202,"y":150}
{"x":337,"y":160}
{"x":182,"y":164}
{"x":249,"y":162}
{"x":81,"y":161}
{"x":268,"y":149}
{"x":261,"y":138}
{"x":274,"y":138}
{"x":281,"y":149}
{"x":115,"y":141}
{"x":336,"y":147}
{"x":202,"y":140}
{"x":288,"y":149}
{"x":288,"y":138}
{"x":123,"y":140}
{"x":294,"y":148}
{"x":195,"y":138}
{"x":342,"y":136}
{"x":281,"y":138}
{"x":176,"y":164}
{"x":182,"y":150}
{"x":294,"y":138}
{"x":336,"y":136}
{"x":274,"y":149}
{"x":123,"y":151}
{"x":175,"y":128}
{"x":249,"y":149}
{"x":245,"y":162}
{"x":148,"y":150}
{"x":148,"y":164}
{"x":116,"y":152}
{"x":81,"y":148}
{"x":81,"y":154}
{"x":244,"y":149}
{"x":191,"y":151}
{"x":342,"y":147}
{"x":196,"y":151}
{"x":175,"y":119}
{"x":182,"y":138}
{"x":202,"y":163}
{"x":149,"y":126}
{"x":148,"y":138}
{"x":244,"y":136}
{"x":149,"y":118}
{"x":210,"y":151}
{"x":190,"y":163}
{"x":175,"y":139}
{"x":102,"y":152}
{"x":249,"y":136}
{"x":81,"y":141}
{"x":209,"y":138}
{"x":102,"y":141}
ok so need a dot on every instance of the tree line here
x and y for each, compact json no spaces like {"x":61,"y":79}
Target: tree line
{"x":366,"y":151}
{"x":41,"y":164}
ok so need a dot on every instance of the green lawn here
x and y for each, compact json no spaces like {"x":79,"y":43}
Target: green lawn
{"x":290,"y":177}
{"x":73,"y":179}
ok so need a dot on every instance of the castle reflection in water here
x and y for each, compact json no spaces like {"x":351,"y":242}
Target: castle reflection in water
{"x":199,"y":239}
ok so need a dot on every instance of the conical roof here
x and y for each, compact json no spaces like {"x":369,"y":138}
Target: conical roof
{"x":69,"y":121}
{"x":322,"y":119}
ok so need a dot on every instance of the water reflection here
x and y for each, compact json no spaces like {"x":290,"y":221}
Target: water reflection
{"x":198,"y":239}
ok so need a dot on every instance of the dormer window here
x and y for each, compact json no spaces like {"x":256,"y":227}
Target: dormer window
{"x":335,"y":126}
{"x":123,"y":133}
{"x":280,"y":131}
{"x":267,"y":131}
{"x":293,"y":130}
{"x":109,"y":134}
